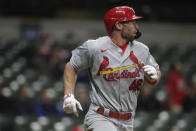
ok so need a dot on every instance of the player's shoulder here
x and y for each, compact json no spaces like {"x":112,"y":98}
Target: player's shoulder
{"x":96,"y":43}
{"x":140,"y":45}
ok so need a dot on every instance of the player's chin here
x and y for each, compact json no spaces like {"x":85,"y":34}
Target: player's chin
{"x":134,"y":34}
{"x":131,"y":37}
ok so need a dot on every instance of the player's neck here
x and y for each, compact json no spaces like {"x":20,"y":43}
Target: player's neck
{"x":117,"y":39}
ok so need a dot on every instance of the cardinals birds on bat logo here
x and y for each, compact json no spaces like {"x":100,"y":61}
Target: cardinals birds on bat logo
{"x":105,"y":63}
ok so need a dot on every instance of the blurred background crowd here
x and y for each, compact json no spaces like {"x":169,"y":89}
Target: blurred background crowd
{"x":36,"y":40}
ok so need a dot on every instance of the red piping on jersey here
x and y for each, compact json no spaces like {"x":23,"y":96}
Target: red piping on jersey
{"x":123,"y":47}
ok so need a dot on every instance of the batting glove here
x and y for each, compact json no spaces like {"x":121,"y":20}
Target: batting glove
{"x":70,"y":104}
{"x":150,"y":72}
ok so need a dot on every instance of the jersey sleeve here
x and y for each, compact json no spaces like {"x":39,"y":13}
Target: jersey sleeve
{"x":151,"y":61}
{"x":80,"y":57}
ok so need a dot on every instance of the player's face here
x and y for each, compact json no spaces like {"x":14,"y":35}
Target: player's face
{"x":129,"y":30}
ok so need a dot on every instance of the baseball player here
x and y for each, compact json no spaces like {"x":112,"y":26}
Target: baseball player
{"x":118,"y":67}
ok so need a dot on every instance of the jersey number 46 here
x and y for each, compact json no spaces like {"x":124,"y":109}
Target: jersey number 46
{"x":136,"y":84}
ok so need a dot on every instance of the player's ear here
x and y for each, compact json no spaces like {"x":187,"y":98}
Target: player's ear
{"x":118,"y":26}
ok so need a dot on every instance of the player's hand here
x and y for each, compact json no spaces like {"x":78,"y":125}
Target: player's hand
{"x":150,"y":72}
{"x":70,"y":104}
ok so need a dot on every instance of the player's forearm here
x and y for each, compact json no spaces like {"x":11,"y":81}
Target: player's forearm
{"x":70,"y":77}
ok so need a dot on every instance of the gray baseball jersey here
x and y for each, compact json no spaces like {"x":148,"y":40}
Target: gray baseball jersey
{"x":116,"y":77}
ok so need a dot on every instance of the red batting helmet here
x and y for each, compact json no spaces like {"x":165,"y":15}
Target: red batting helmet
{"x":119,"y":14}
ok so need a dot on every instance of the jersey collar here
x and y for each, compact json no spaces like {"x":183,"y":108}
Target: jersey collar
{"x":127,"y":50}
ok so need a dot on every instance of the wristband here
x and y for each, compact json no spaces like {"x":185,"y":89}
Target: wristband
{"x":67,"y":95}
{"x":151,"y":82}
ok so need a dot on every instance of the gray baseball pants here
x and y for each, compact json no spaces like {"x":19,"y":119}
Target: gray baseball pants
{"x":98,"y":122}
